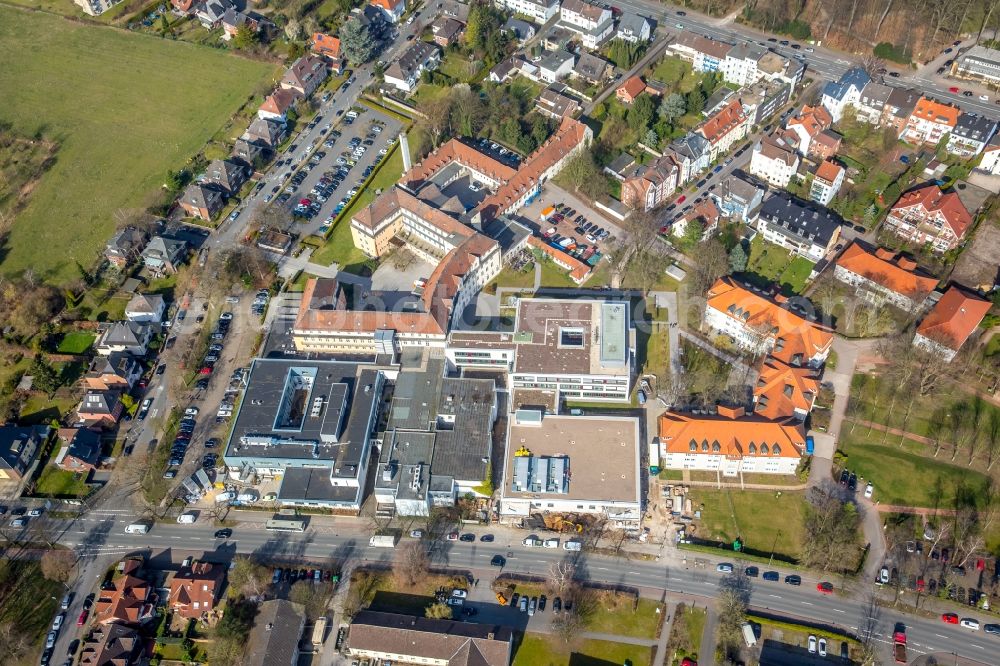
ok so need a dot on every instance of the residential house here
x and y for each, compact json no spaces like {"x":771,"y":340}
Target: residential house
{"x":558,"y":39}
{"x":825,"y":145}
{"x":774,"y":159}
{"x":374,"y":22}
{"x":228,"y":175}
{"x":764,"y":98}
{"x":522,"y":31}
{"x":930,"y":121}
{"x":164,"y":254}
{"x":118,"y":371}
{"x":210,"y":12}
{"x":930,"y":216}
{"x":132,"y":337}
{"x":971,"y":134}
{"x":898,"y":108}
{"x":305,"y":75}
{"x":800,"y":227}
{"x":979,"y":63}
{"x":691,"y":153}
{"x":555,"y":66}
{"x":592,"y":68}
{"x":808,"y":124}
{"x":274,"y":639}
{"x":621,"y":167}
{"x":724,"y":129}
{"x":647,"y":186}
{"x":554,"y":103}
{"x":19,"y":447}
{"x":112,"y":645}
{"x":951,"y":322}
{"x":328,"y":47}
{"x":540,"y":11}
{"x":705,"y":213}
{"x":738,"y":199}
{"x":762,"y":326}
{"x":249,"y":151}
{"x":202,"y":200}
{"x":990,"y":162}
{"x":405,"y":73}
{"x":100,"y":409}
{"x":507,"y":69}
{"x":784,"y":391}
{"x":385,"y":637}
{"x":740,"y":64}
{"x":146,"y":307}
{"x":276,"y":105}
{"x":126,"y":598}
{"x":871,"y":105}
{"x":96,"y":7}
{"x":730,"y":442}
{"x":634,"y":28}
{"x":125,"y":246}
{"x":827,"y":182}
{"x":235,"y":19}
{"x":704,"y":54}
{"x":446,"y":30}
{"x":80,"y":449}
{"x":393,"y":9}
{"x":776,"y":67}
{"x":594,"y":22}
{"x":194,"y":590}
{"x":265,"y":131}
{"x":838,"y":95}
{"x":881,"y":276}
{"x":630,"y":90}
{"x":185,"y":7}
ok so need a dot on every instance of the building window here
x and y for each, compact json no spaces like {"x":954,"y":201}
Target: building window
{"x":571,"y":337}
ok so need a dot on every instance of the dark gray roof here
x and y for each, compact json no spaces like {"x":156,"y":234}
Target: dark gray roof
{"x":632,"y":23}
{"x":85,"y":445}
{"x":313,"y":484}
{"x":506,"y":232}
{"x":454,"y":642}
{"x":415,"y":397}
{"x":521,"y":29}
{"x":591,"y":66}
{"x":164,"y":248}
{"x":691,"y":145}
{"x":621,"y":163}
{"x":19,"y":446}
{"x":738,"y":189}
{"x":553,"y":60}
{"x":129,"y":333}
{"x":798,"y":218}
{"x":974,"y":127}
{"x":463,"y":451}
{"x":904,"y":100}
{"x":412,"y":60}
{"x":274,"y":639}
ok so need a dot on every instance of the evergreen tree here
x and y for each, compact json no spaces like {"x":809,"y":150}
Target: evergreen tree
{"x":357,"y":43}
{"x":738,"y":259}
{"x":672,"y":107}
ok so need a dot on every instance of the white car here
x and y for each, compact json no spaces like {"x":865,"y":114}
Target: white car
{"x":416,"y":534}
{"x":551,"y":543}
{"x":50,"y":640}
{"x":984,"y":98}
{"x":724,"y":567}
{"x":883,"y":576}
{"x":869,"y":489}
{"x":969,"y":623}
{"x":57,"y":623}
{"x":812,"y":644}
{"x":459,"y":594}
{"x":191,"y":411}
{"x":822,"y":647}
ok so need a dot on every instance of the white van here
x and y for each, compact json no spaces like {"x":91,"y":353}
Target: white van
{"x":551,"y":543}
{"x":225,"y":497}
{"x":137,"y":528}
{"x":572,"y":545}
{"x":186,"y":518}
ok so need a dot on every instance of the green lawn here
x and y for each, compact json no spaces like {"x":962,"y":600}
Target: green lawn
{"x":76,"y":342}
{"x":547,"y":650}
{"x":512,"y":279}
{"x":555,"y":276}
{"x":55,"y":482}
{"x":124,"y":107}
{"x":621,"y":620}
{"x":27,"y":608}
{"x":903,"y":475}
{"x":770,"y":263}
{"x":299,"y":284}
{"x":762,"y":518}
{"x":458,"y":67}
{"x":339,"y":246}
{"x":676,"y":74}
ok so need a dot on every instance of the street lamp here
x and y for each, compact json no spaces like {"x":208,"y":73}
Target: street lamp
{"x":773,"y":544}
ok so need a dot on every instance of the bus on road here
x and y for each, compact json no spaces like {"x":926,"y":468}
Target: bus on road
{"x":282,"y":524}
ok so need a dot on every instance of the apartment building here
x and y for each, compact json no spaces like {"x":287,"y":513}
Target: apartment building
{"x":539,"y":10}
{"x":774,"y":159}
{"x":827,"y":182}
{"x":704,"y":54}
{"x":881,"y":276}
{"x":724,"y":129}
{"x":930,"y":216}
{"x":951,"y":322}
{"x":971,"y":135}
{"x":930,"y":121}
{"x":593,"y":22}
{"x":647,"y":186}
{"x":845,"y":92}
{"x":805,"y":229}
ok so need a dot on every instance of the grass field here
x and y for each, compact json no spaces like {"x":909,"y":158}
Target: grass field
{"x":339,"y":246}
{"x":55,"y":482}
{"x":125,"y":108}
{"x":905,"y":475}
{"x":545,"y":650}
{"x":770,"y":263}
{"x":762,"y":518}
{"x":76,"y":342}
{"x":27,"y":608}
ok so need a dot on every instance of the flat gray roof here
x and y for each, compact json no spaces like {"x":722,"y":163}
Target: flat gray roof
{"x":312,"y":484}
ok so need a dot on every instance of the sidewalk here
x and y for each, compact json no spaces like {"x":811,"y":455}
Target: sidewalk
{"x":706,"y":653}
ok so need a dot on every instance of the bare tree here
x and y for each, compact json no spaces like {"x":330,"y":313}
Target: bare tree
{"x":561,"y":576}
{"x":247,"y":578}
{"x":58,"y":565}
{"x":412,"y":563}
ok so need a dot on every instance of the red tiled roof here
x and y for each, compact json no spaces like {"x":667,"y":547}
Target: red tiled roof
{"x":814,"y":119}
{"x":782,"y":389}
{"x":828,"y":170}
{"x":954,"y":318}
{"x":388,"y":5}
{"x":883,"y":268}
{"x":279,"y":101}
{"x":730,"y":433}
{"x":462,"y":153}
{"x":577,"y":269}
{"x":723,"y":122}
{"x":631,"y":88}
{"x":363,"y":321}
{"x":933,"y":111}
{"x":327,"y":45}
{"x":931,"y":199}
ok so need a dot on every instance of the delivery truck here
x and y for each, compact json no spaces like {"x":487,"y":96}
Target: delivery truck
{"x":382,"y":541}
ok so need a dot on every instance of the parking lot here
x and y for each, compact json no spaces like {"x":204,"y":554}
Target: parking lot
{"x":321,"y":179}
{"x":574,"y":217}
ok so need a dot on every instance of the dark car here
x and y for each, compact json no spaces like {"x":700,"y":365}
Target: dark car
{"x":515,"y":598}
{"x":556,"y":605}
{"x":211,"y":443}
{"x":223,"y":533}
{"x":161,"y":368}
{"x":772,"y":576}
{"x":73,"y":645}
{"x":467,"y":537}
{"x":852,"y":483}
{"x":486,"y":538}
{"x":992,"y":628}
{"x":541,"y":603}
{"x":793,"y":579}
{"x":498,"y":561}
{"x":844,"y":477}
{"x":753,"y":572}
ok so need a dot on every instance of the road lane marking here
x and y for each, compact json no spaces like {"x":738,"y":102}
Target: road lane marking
{"x":837,"y":610}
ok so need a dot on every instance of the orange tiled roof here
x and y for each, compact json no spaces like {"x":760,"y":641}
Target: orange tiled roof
{"x":279,"y":101}
{"x":931,"y":199}
{"x":782,"y":389}
{"x":723,"y":122}
{"x":460,"y":152}
{"x":124,"y":600}
{"x":733,"y":435}
{"x":363,"y":321}
{"x":814,"y":119}
{"x":954,"y":318}
{"x":828,"y":170}
{"x":199,"y":583}
{"x":387,"y":5}
{"x":445,"y":281}
{"x":570,"y":134}
{"x":936,"y":112}
{"x":795,"y":339}
{"x":324,"y":44}
{"x":577,"y":269}
{"x":389,"y":203}
{"x":632,"y":88}
{"x":884,"y":268}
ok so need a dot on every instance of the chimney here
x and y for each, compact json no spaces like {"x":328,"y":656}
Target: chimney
{"x":730,"y":412}
{"x":404,"y":146}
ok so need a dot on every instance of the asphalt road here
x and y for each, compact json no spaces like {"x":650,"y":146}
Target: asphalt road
{"x":102,"y":533}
